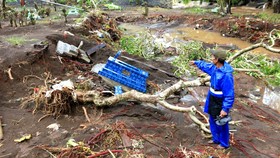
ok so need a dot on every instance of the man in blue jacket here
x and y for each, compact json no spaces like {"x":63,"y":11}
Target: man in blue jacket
{"x":220,"y":96}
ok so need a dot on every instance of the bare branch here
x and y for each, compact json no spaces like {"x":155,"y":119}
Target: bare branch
{"x":261,"y":44}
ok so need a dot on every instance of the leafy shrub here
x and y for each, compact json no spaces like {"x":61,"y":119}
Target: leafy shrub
{"x":274,"y":18}
{"x":187,"y":53}
{"x":142,"y":45}
{"x":269,"y":69}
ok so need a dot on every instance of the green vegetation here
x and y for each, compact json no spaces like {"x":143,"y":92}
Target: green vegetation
{"x":112,"y":6}
{"x":11,"y":1}
{"x":191,"y":51}
{"x":141,"y":45}
{"x":186,"y":1}
{"x":146,"y":47}
{"x":270,"y":70}
{"x":197,"y":10}
{"x":16,"y":40}
{"x":62,"y":1}
{"x":270,"y":17}
{"x":235,"y":2}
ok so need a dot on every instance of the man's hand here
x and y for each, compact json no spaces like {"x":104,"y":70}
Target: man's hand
{"x":223,"y":113}
{"x":192,"y":62}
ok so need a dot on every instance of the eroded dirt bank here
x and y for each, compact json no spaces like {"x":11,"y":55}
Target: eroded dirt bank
{"x":153,"y":131}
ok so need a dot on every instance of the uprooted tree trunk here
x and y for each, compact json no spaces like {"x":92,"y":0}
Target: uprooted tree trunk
{"x":96,"y":96}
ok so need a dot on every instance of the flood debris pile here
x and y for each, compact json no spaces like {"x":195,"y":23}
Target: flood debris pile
{"x":114,"y":140}
{"x":102,"y":26}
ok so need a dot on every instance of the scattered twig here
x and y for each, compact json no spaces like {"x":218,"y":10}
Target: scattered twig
{"x":46,"y":79}
{"x":96,"y":138}
{"x":5,"y":155}
{"x":104,"y":153}
{"x":50,"y":153}
{"x":9,"y":73}
{"x":41,"y":118}
{"x":17,"y":121}
{"x":113,"y":156}
{"x":85,"y":112}
{"x":1,"y":130}
{"x":235,"y":122}
{"x":25,"y":78}
{"x":148,"y":140}
{"x":253,"y":146}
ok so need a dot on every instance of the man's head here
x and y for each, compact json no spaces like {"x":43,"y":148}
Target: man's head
{"x":218,"y":56}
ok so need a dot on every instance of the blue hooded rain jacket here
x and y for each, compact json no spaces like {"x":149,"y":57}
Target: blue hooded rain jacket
{"x":221,"y":83}
{"x":220,"y":97}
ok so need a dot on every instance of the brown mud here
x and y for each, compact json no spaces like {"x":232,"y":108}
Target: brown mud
{"x":158,"y":132}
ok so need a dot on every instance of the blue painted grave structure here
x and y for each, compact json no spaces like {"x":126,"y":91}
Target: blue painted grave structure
{"x":125,"y":74}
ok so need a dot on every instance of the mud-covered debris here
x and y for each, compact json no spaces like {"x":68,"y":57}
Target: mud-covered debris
{"x":71,"y":143}
{"x":104,"y":24}
{"x":95,"y":49}
{"x":54,"y":126}
{"x":67,"y":50}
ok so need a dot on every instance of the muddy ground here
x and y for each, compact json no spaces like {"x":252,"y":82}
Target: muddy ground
{"x":157,"y":132}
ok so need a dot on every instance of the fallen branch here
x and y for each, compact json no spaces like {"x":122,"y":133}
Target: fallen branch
{"x":98,"y":100}
{"x":235,"y":122}
{"x":255,"y":46}
{"x":104,"y":153}
{"x":198,"y":122}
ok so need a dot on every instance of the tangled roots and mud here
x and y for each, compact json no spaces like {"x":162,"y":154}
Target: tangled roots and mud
{"x":60,"y":102}
{"x":103,"y":24}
